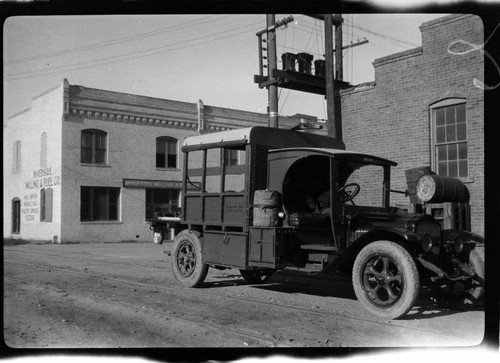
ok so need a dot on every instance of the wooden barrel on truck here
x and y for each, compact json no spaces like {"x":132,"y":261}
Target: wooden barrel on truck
{"x":266,"y":208}
{"x":439,"y":189}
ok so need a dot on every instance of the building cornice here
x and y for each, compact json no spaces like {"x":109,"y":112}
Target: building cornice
{"x":109,"y":115}
{"x":126,"y":108}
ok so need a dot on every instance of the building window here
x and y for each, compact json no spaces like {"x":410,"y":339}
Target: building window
{"x":99,"y":203}
{"x":43,"y":150}
{"x":16,"y":216}
{"x":46,"y":205}
{"x":93,"y":148}
{"x":231,"y":157}
{"x":166,"y":152}
{"x":17,"y":157}
{"x":161,"y":202}
{"x":450,"y":139}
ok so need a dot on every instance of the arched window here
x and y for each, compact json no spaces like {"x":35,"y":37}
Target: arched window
{"x":449,"y":125}
{"x":46,"y":205}
{"x":43,"y":150}
{"x":166,"y":152}
{"x":93,"y":146}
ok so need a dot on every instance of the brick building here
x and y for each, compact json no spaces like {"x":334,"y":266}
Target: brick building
{"x":85,"y":164}
{"x":423,"y":109}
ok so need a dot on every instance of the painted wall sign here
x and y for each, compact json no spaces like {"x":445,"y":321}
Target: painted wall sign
{"x":43,"y":178}
{"x":30,"y":207}
{"x":156,"y":184}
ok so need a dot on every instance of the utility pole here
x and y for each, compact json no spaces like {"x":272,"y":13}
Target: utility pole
{"x":339,"y":72}
{"x":329,"y":76}
{"x":334,"y":113}
{"x":303,"y":80}
{"x":339,"y":76}
{"x":333,"y":110}
{"x":271,"y":65}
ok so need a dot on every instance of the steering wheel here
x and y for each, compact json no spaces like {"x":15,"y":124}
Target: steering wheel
{"x":346,"y":195}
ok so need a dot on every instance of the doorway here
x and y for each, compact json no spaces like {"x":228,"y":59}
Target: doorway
{"x":16,"y":216}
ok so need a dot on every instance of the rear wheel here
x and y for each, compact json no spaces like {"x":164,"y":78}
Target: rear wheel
{"x":256,"y":276}
{"x":385,"y":279}
{"x":187,"y":264}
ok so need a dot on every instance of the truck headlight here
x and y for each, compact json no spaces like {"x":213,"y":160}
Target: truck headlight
{"x":458,"y":244}
{"x":426,"y":243}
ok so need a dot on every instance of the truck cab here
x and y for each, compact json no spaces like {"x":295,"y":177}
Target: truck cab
{"x":264,"y":199}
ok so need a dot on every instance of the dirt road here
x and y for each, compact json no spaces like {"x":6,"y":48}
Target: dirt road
{"x":124,"y":295}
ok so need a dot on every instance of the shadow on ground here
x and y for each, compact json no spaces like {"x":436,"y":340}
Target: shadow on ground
{"x":429,"y":305}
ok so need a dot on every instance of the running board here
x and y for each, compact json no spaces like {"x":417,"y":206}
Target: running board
{"x":323,"y":248}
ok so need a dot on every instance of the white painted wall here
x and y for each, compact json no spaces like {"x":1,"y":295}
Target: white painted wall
{"x":44,"y":116}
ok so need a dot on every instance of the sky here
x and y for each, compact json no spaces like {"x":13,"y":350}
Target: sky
{"x":186,"y":57}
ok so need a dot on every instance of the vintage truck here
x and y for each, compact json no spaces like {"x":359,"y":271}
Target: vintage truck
{"x":263,"y":199}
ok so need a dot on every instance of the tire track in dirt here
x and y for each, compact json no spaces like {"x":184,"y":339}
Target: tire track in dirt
{"x":237,"y":315}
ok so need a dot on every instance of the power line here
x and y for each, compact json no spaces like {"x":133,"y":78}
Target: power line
{"x":305,"y":22}
{"x":385,"y":36}
{"x":129,"y":56}
{"x":110,"y":42}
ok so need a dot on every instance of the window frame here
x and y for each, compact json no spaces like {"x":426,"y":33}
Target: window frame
{"x":16,"y":216}
{"x":46,"y":203}
{"x":232,"y":157}
{"x":166,"y":142}
{"x":90,"y":205}
{"x":149,"y":201}
{"x":433,"y":109}
{"x":93,"y":147}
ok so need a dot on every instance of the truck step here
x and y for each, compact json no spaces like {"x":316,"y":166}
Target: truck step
{"x":324,"y":248}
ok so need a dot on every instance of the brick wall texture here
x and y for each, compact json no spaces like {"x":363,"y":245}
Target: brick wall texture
{"x":391,"y":116}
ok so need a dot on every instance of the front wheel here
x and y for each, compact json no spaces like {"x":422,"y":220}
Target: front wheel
{"x":475,"y":291}
{"x":256,"y":276}
{"x":187,"y":265}
{"x":385,"y":279}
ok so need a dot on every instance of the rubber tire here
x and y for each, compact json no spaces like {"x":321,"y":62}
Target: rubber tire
{"x":192,"y":242}
{"x":256,"y":276}
{"x":406,"y":267}
{"x":475,"y":293}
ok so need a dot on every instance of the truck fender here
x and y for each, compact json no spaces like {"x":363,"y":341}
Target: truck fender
{"x":347,"y":257}
{"x":467,"y":237}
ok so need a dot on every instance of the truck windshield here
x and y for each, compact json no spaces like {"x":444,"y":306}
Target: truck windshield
{"x":307,"y":184}
{"x":370,"y":179}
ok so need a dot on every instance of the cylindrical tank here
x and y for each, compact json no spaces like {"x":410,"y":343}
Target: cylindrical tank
{"x":305,"y":60}
{"x":319,"y":68}
{"x":266,"y":207}
{"x":412,"y":176}
{"x":439,"y":189}
{"x":288,"y":60}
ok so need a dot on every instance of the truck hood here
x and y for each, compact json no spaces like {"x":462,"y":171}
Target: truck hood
{"x":368,"y":218}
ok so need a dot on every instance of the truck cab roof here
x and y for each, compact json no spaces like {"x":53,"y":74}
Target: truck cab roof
{"x":272,"y":138}
{"x":353,"y":156}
